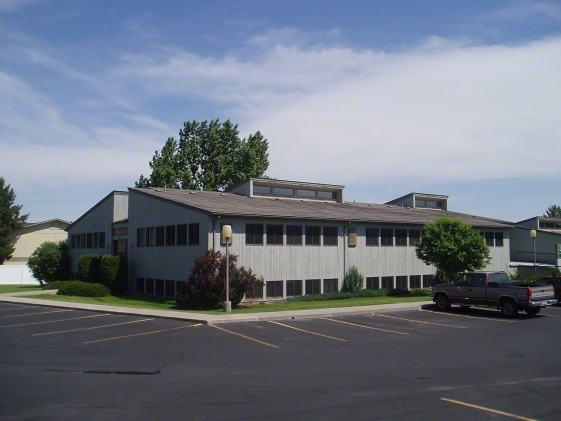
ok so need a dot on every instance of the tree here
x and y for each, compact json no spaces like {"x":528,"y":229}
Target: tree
{"x":453,"y":246}
{"x":50,"y":262}
{"x":10,"y":220}
{"x":553,"y":211}
{"x":206,"y":285}
{"x":353,"y":280}
{"x":208,"y":156}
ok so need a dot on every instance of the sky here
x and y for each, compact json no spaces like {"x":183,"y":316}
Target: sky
{"x":459,"y":98}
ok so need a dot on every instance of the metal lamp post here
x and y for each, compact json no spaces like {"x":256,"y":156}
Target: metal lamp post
{"x":533,"y":235}
{"x":227,"y":235}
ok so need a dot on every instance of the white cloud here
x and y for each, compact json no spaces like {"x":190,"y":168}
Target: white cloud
{"x":14,"y":5}
{"x":516,"y":11}
{"x":443,"y":111}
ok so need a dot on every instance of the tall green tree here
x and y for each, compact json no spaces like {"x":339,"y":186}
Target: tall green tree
{"x":208,"y":156}
{"x":10,"y":219}
{"x":453,"y":246}
{"x":554,"y":211}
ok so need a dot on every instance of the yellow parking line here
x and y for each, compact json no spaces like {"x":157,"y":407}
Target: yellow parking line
{"x":418,"y":321}
{"x":469,"y":317}
{"x":140,"y":334}
{"x":91,"y":328}
{"x":34,"y":314}
{"x":243,"y":336}
{"x":494,"y":411}
{"x":365,"y":327}
{"x":307,"y":331}
{"x":55,"y":321}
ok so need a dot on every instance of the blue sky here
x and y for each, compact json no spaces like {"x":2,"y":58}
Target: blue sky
{"x":461,"y":98}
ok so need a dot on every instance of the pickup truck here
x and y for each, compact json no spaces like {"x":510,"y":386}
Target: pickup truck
{"x":493,"y":289}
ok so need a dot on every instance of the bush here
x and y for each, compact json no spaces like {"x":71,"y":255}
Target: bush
{"x":88,"y":268}
{"x":83,"y":289}
{"x":50,"y":262}
{"x":113,"y":273}
{"x":54,"y":285}
{"x":353,"y":280}
{"x":363,"y":293}
{"x":206,"y":285}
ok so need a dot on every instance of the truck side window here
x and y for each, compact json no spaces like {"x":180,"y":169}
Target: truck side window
{"x":478,"y":281}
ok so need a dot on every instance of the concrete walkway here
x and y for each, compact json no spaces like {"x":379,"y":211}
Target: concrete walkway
{"x":21,"y":298}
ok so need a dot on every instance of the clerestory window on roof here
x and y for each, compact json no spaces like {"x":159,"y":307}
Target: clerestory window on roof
{"x":433,"y":204}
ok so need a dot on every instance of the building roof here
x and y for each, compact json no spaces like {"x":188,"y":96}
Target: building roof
{"x":94,"y":207}
{"x":229,"y":204}
{"x":48,"y":221}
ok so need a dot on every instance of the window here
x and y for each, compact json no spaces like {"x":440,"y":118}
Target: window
{"x":387,"y":282}
{"x":428,"y":204}
{"x":294,"y":288}
{"x":261,"y":190}
{"x":414,"y":237}
{"x":499,"y":239}
{"x":489,"y":239}
{"x":330,"y":236}
{"x":160,"y":236}
{"x":160,"y":285}
{"x":258,"y":292}
{"x":306,"y":193}
{"x":274,"y":289}
{"x":372,"y":235}
{"x":150,"y":237}
{"x":351,"y":237}
{"x":78,"y":241}
{"x":140,"y":237}
{"x":372,"y":282}
{"x":415,"y":281}
{"x":182,"y":235}
{"x":401,"y":282}
{"x":140,"y":285}
{"x":89,"y":240}
{"x":330,"y":285}
{"x":170,"y":289}
{"x":326,"y":195}
{"x":194,"y":234}
{"x":120,"y":231}
{"x":400,"y":237}
{"x":274,"y":235}
{"x":386,"y":237}
{"x":280,"y":191}
{"x":313,"y":286}
{"x":294,"y":235}
{"x":149,"y":286}
{"x":73,"y":241}
{"x":313,"y":235}
{"x":170,"y":235}
{"x":102,"y":240}
{"x":254,"y":234}
{"x":95,"y":243}
{"x":428,"y":281}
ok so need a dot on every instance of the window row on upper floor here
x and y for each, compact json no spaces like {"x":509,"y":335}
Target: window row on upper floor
{"x":90,"y":240}
{"x":168,"y":235}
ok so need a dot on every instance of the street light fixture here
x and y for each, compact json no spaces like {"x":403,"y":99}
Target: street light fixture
{"x":227,"y":236}
{"x":533,"y":235}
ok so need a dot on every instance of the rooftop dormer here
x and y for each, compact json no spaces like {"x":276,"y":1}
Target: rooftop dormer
{"x":421,"y":200}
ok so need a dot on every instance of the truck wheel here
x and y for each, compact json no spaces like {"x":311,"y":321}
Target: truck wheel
{"x":442,"y":302}
{"x":532,"y":311}
{"x":509,"y":309}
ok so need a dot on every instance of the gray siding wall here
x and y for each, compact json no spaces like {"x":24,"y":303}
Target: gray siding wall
{"x":99,"y":220}
{"x":166,"y":262}
{"x":521,"y":241}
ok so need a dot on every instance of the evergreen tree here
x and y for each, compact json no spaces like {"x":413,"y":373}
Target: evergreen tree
{"x":554,"y":211}
{"x":10,"y":219}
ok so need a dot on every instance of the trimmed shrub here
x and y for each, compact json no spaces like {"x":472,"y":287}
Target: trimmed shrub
{"x":398,"y":291}
{"x":206,"y":285}
{"x":55,"y":285}
{"x":113,"y":273}
{"x":50,"y":262}
{"x":353,"y":280}
{"x":363,"y":293}
{"x":88,"y":268}
{"x":83,"y":289}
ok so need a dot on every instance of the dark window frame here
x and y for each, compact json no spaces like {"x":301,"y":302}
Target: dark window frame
{"x":254,"y":234}
{"x":313,"y":235}
{"x":294,"y":234}
{"x":181,"y":235}
{"x":400,"y":237}
{"x":385,"y":240}
{"x":194,"y":234}
{"x":275,"y":235}
{"x":170,"y":235}
{"x":372,"y":237}
{"x":330,"y":236}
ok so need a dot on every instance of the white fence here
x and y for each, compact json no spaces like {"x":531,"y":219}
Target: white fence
{"x":16,"y":274}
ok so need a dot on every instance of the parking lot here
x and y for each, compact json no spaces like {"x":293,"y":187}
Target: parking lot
{"x":410,"y":365}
